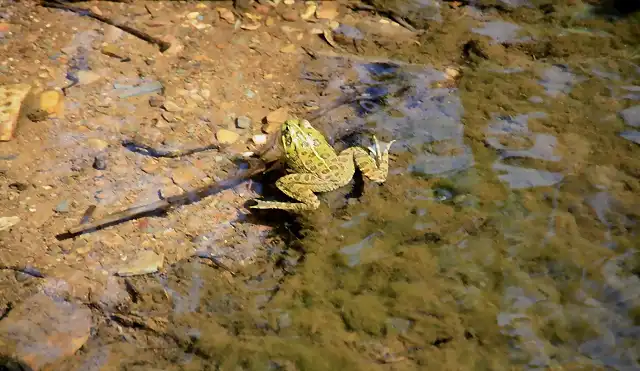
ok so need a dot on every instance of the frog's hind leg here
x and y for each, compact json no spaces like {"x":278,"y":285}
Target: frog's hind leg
{"x":374,"y":167}
{"x":300,"y":187}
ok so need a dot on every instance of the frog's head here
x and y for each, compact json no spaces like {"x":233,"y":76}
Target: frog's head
{"x":298,"y":137}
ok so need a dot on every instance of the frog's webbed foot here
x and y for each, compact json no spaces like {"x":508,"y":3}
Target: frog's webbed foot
{"x":380,"y":150}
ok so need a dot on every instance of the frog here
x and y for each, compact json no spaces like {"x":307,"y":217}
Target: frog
{"x":314,"y":166}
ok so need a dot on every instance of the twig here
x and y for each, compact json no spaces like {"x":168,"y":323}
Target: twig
{"x":255,"y":167}
{"x":31,"y":271}
{"x":163,"y":45}
{"x":171,"y":153}
{"x":388,"y":12}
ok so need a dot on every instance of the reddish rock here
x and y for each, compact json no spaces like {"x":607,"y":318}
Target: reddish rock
{"x":43,"y":330}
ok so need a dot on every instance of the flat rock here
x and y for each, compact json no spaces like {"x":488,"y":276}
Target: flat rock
{"x":87,"y":77}
{"x":43,"y":330}
{"x":145,"y":262}
{"x":225,"y":136}
{"x":631,"y":116}
{"x":171,"y":106}
{"x":7,"y":222}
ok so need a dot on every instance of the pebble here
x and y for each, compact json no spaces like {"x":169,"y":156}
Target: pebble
{"x":227,"y":15}
{"x":87,"y":77}
{"x":145,"y":262}
{"x":243,"y":122}
{"x":97,"y":144}
{"x":112,"y":50}
{"x":42,"y":331}
{"x":289,"y":2}
{"x":7,"y":222}
{"x":278,"y":116}
{"x":225,"y":136}
{"x":62,"y":207}
{"x":150,"y":167}
{"x":290,"y":15}
{"x":170,"y":191}
{"x":259,"y":139}
{"x":156,"y":101}
{"x":171,"y":106}
{"x":182,"y":176}
{"x":168,"y":116}
{"x":52,"y":102}
{"x":327,"y":10}
{"x":100,"y":162}
{"x":291,"y":48}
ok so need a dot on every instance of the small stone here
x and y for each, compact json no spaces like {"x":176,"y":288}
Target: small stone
{"x":112,"y":50}
{"x":156,"y":101}
{"x":7,"y":222}
{"x":170,"y":191}
{"x":100,"y":162}
{"x":225,"y":136}
{"x":150,"y":167}
{"x":290,"y":15}
{"x":52,"y":102}
{"x":259,"y":139}
{"x":308,"y":12}
{"x":269,"y":22}
{"x":87,"y":77}
{"x":243,"y":122}
{"x":97,"y":144}
{"x":289,"y":2}
{"x":171,"y":106}
{"x":42,"y":331}
{"x":183,"y":176}
{"x":62,"y":207}
{"x":168,"y":117}
{"x":291,"y":48}
{"x":146,"y":262}
{"x":278,"y":116}
{"x":193,"y":15}
{"x":250,"y":94}
{"x":227,"y":15}
{"x":251,"y":26}
{"x":327,"y":10}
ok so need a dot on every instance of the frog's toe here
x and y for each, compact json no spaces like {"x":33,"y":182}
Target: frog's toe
{"x":259,"y":204}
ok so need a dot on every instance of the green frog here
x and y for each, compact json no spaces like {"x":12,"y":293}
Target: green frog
{"x":315,"y":166}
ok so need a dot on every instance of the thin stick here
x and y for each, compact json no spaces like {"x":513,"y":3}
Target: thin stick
{"x":135,"y":32}
{"x":256,"y":167}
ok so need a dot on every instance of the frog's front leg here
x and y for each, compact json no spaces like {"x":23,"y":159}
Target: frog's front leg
{"x":299,"y":187}
{"x":374,"y":167}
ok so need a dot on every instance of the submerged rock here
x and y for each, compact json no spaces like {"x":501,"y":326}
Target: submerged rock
{"x":43,"y":330}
